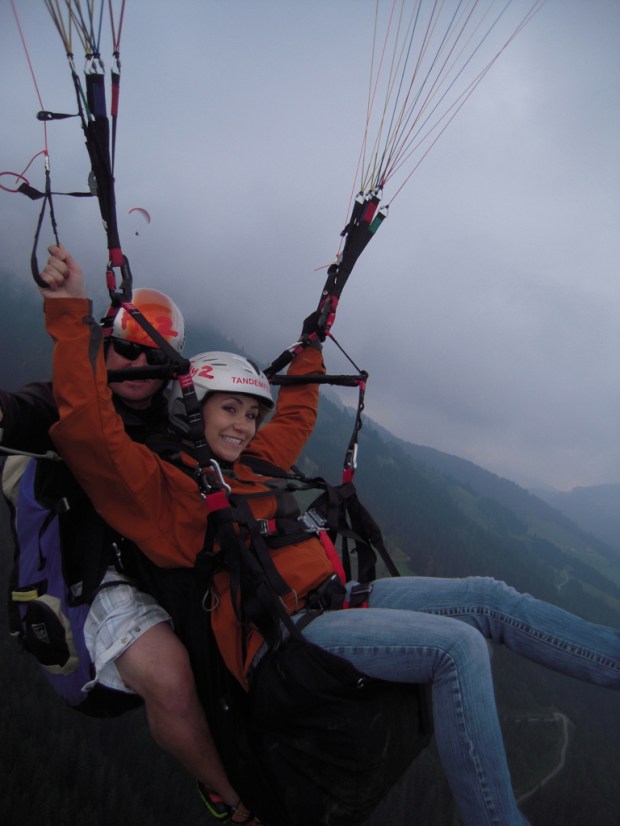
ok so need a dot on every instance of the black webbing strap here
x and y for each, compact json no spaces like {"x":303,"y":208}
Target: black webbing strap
{"x":359,"y":381}
{"x":257,"y":588}
{"x":365,"y":220}
{"x":363,"y":223}
{"x":344,"y":515}
{"x":364,"y":525}
{"x":319,"y":378}
{"x":36,"y":194}
{"x":47,"y":202}
{"x":92,"y":111}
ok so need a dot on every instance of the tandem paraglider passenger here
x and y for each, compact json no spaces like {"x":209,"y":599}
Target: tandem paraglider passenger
{"x":227,"y":514}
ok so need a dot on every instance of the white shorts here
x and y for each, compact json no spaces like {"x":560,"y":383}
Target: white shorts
{"x":118,"y":616}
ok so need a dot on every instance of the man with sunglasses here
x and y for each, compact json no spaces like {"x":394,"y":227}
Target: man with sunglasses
{"x":130,"y":346}
{"x":27,"y":414}
{"x":128,"y":634}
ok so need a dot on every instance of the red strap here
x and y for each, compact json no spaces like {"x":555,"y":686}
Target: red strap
{"x":116,"y":256}
{"x":217,"y":501}
{"x":332,"y":555}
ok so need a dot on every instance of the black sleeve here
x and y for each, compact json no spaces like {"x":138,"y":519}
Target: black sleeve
{"x":27,"y":417}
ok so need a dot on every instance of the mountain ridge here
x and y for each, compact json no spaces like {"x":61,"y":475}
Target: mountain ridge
{"x":595,"y":508}
{"x":522,"y":500}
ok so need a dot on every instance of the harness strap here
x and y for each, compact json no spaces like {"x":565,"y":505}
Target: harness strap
{"x":251,"y":524}
{"x":244,"y":543}
{"x":340,"y":511}
{"x":332,"y":555}
{"x":257,"y":588}
{"x":47,"y":201}
{"x":363,"y":223}
{"x":329,"y":596}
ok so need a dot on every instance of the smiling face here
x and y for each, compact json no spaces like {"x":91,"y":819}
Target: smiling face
{"x":230,"y":422}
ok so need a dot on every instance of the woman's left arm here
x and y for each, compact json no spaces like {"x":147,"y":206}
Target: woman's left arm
{"x":283,"y":438}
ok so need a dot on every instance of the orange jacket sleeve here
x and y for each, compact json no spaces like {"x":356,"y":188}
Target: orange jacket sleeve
{"x":128,"y":484}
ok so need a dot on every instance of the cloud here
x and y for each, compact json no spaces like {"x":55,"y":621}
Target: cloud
{"x":486,"y":308}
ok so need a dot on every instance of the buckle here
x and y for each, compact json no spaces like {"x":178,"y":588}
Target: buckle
{"x":362,"y":588}
{"x":328,"y":596}
{"x":312,"y":520}
{"x":220,"y":476}
{"x":358,"y":597}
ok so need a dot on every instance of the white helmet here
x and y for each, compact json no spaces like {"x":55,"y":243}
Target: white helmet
{"x":160,"y":310}
{"x":217,"y":372}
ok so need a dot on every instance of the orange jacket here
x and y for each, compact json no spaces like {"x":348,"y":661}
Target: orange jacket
{"x":152,"y":502}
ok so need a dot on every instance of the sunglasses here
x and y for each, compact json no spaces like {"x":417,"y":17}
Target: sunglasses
{"x":131,"y":351}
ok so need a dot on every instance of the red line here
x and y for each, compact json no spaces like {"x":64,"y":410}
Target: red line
{"x":34,"y":79}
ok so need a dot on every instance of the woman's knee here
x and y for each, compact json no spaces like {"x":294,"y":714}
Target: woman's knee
{"x":442,"y":596}
{"x":497,"y":595}
{"x":466,"y":647}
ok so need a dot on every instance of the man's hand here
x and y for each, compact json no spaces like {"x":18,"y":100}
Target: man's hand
{"x":62,"y":275}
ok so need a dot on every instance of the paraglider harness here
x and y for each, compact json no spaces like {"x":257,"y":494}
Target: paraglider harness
{"x":53,"y":582}
{"x":313,"y":741}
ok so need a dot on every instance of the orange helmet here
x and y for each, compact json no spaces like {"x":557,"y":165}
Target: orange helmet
{"x":160,"y":311}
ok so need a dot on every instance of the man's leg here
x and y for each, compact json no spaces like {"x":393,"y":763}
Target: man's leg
{"x":156,"y":666}
{"x":134,"y":649}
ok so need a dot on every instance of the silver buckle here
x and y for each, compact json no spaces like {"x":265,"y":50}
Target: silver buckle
{"x":312,"y":521}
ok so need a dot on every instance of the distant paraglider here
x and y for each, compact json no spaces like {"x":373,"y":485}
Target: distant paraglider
{"x":143,"y":212}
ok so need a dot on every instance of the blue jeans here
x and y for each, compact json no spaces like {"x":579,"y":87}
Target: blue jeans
{"x":427,"y":630}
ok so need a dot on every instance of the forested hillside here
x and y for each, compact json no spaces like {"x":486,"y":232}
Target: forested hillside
{"x":597,"y":509}
{"x":58,"y":767}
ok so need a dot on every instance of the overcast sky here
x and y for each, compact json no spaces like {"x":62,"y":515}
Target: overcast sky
{"x":486,"y":308}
